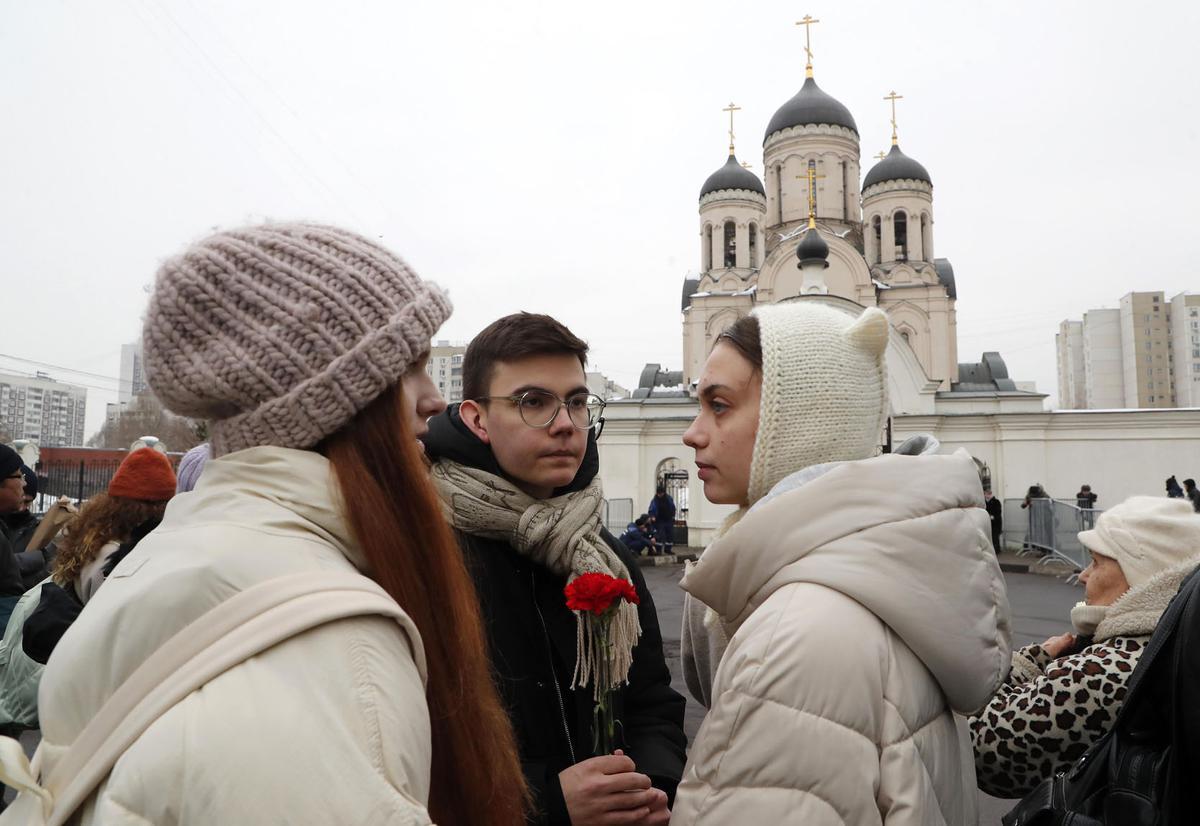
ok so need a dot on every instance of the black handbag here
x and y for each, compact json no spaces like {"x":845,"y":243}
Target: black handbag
{"x":1136,"y":774}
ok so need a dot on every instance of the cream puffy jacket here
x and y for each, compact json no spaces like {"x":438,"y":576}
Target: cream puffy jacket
{"x":864,"y":607}
{"x":330,"y":726}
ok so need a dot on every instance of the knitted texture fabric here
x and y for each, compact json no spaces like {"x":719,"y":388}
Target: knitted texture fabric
{"x":190,"y":467}
{"x":1145,"y":535}
{"x":562,"y":534}
{"x":824,"y":389}
{"x":280,"y":334}
{"x":144,"y":474}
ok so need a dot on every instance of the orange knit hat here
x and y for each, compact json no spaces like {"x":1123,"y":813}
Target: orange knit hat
{"x":145,"y":474}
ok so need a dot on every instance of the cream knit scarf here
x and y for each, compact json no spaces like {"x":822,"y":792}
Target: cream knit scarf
{"x":562,"y":534}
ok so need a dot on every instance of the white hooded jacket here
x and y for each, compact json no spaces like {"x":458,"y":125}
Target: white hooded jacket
{"x":330,"y":726}
{"x":863,"y":608}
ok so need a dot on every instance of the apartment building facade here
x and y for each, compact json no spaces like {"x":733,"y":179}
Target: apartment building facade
{"x":1143,"y":355}
{"x":445,"y":368}
{"x":38,"y":408}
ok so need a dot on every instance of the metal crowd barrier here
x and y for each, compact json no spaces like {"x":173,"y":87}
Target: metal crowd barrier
{"x":617,"y":514}
{"x":1048,"y":529}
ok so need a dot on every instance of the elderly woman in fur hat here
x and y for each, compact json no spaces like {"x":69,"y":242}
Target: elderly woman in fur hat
{"x":1064,"y":694}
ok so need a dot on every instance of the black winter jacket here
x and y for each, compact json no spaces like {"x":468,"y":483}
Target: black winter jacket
{"x":11,"y":584}
{"x":34,"y":565}
{"x":531,"y":636}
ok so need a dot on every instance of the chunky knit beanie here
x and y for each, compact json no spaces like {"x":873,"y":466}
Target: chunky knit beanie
{"x":144,"y":474}
{"x":280,"y":334}
{"x":190,"y":467}
{"x":1145,"y":535}
{"x":824,"y":389}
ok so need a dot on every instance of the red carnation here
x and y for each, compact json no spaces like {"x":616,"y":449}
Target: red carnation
{"x":598,"y":593}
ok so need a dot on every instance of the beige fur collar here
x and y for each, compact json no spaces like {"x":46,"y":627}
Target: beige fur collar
{"x":1138,"y":610}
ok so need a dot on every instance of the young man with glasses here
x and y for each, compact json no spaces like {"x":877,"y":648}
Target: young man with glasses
{"x":516,"y":464}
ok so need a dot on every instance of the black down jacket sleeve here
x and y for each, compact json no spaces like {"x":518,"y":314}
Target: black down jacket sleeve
{"x":653,"y":711}
{"x":55,"y":613}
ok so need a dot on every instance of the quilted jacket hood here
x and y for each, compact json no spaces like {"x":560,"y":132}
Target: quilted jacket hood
{"x":904,"y":536}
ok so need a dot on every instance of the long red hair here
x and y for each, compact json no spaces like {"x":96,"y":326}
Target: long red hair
{"x":395,"y":515}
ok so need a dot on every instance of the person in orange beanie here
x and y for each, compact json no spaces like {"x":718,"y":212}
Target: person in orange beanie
{"x":145,"y":474}
{"x":108,"y":527}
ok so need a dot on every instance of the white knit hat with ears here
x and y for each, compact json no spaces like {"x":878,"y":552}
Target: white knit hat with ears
{"x":824,"y":389}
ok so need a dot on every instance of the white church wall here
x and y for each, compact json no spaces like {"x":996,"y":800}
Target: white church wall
{"x":703,"y":322}
{"x":846,"y":276}
{"x":1119,"y":453}
{"x":638,"y":437}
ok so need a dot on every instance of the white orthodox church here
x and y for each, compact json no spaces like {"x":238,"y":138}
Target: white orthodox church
{"x":818,"y":230}
{"x":813,"y":230}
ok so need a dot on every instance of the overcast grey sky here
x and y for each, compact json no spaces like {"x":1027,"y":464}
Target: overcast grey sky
{"x":548,"y":155}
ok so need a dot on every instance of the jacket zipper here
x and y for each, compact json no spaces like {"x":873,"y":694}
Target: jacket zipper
{"x":562,"y":709}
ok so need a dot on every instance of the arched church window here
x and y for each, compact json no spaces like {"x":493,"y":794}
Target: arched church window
{"x":845,"y":189}
{"x":753,"y":245}
{"x":779,"y":192}
{"x":706,"y":253}
{"x":672,"y":474}
{"x":900,"y":227}
{"x":730,"y":246}
{"x":877,"y":224}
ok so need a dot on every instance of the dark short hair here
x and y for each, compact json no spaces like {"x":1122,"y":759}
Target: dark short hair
{"x":513,"y":338}
{"x":745,"y":335}
{"x":1190,"y":483}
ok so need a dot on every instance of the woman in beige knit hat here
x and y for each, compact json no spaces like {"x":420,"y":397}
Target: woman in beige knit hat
{"x":1064,"y":694}
{"x":849,"y":606}
{"x":304,"y":348}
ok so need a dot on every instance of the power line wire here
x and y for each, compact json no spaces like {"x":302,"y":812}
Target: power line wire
{"x":23,"y":374}
{"x":118,"y":380}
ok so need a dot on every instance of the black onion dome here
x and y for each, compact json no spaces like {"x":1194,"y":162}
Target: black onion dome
{"x":896,"y":166}
{"x":732,"y":176}
{"x":810,"y":105}
{"x":812,"y":248}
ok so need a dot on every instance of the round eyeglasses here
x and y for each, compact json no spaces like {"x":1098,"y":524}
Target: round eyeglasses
{"x":539,"y":408}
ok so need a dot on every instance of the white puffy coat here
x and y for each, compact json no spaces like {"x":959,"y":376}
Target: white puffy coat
{"x":330,"y":726}
{"x":863,"y":607}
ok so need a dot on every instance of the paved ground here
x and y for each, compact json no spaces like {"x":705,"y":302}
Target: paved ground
{"x":1040,"y":605}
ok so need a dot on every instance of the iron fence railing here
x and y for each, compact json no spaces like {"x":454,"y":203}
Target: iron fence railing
{"x":78,"y":480}
{"x":1049,"y":529}
{"x":616,"y":515}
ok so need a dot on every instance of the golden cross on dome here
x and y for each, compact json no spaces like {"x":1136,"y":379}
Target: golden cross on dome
{"x":731,"y":108}
{"x":811,"y":176}
{"x":893,"y":97}
{"x":807,"y":23}
{"x":879,"y":156}
{"x":747,"y":165}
